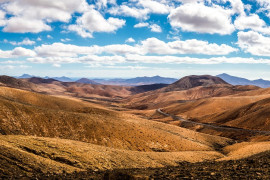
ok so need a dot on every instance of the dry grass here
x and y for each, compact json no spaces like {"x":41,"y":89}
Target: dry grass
{"x":57,"y":155}
{"x":28,"y":113}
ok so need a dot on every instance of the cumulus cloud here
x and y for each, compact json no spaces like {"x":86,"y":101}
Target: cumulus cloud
{"x":193,"y":46}
{"x":34,"y":15}
{"x":254,"y":43}
{"x":130,"y":40}
{"x":252,"y":22}
{"x":92,"y":21}
{"x":141,"y":9}
{"x":26,"y":41}
{"x":23,"y":25}
{"x":152,"y":27}
{"x":155,"y":28}
{"x":148,"y":46}
{"x":2,"y":18}
{"x":196,"y":17}
{"x":140,"y":25}
{"x":17,"y":52}
{"x":190,"y":60}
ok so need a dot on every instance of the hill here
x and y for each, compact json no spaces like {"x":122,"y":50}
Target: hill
{"x":28,"y":113}
{"x":251,"y":116}
{"x":16,"y":83}
{"x":186,"y":89}
{"x":189,"y":82}
{"x":242,"y":81}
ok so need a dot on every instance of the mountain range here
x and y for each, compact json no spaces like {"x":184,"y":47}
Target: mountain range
{"x":242,"y":81}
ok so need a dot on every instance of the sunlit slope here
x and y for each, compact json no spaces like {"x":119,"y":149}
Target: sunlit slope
{"x":27,"y":113}
{"x":209,"y":106}
{"x":252,"y":116}
{"x":159,"y":98}
{"x":28,"y":155}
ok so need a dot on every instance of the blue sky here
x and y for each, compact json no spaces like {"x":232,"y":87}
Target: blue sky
{"x":112,"y":38}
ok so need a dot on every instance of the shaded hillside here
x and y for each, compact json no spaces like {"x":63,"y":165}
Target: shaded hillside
{"x":189,"y":82}
{"x":13,"y":82}
{"x":242,"y":81}
{"x":146,"y":88}
{"x":37,"y":80}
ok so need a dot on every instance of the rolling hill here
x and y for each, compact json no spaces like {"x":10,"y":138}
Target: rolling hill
{"x":186,"y":89}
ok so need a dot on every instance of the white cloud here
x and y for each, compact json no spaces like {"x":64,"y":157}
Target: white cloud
{"x":23,"y":25}
{"x":49,"y":36}
{"x":141,"y":9}
{"x":140,"y":25}
{"x":193,"y":46}
{"x":152,"y":27}
{"x":22,"y":52}
{"x":155,"y":28}
{"x":254,"y":43}
{"x":26,"y":41}
{"x":252,"y":22}
{"x":96,"y":61}
{"x":34,"y":15}
{"x":17,"y":52}
{"x":65,"y":40}
{"x":2,"y":18}
{"x":155,"y":6}
{"x":130,"y":40}
{"x":125,"y":10}
{"x":249,"y":22}
{"x":196,"y":17}
{"x":103,"y":3}
{"x":189,"y":60}
{"x":92,"y":21}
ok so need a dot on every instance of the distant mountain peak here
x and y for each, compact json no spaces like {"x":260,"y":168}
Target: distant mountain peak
{"x":25,"y":76}
{"x":192,"y":81}
{"x":86,"y":81}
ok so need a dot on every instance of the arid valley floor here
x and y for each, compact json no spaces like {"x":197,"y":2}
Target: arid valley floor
{"x":199,"y":127}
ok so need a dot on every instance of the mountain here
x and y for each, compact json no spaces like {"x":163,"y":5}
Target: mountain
{"x":188,"y":88}
{"x":242,"y":81}
{"x":189,"y":82}
{"x":25,"y":76}
{"x":137,"y":81}
{"x":86,"y":81}
{"x":63,"y":79}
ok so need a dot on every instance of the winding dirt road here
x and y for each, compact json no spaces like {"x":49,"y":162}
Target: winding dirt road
{"x":217,"y":127}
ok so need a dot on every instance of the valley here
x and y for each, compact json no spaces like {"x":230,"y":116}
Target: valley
{"x":56,"y":129}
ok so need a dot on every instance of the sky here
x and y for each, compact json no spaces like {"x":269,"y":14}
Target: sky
{"x":113,"y":38}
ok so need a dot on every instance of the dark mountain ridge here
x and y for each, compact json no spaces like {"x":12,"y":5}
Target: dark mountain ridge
{"x":192,"y":81}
